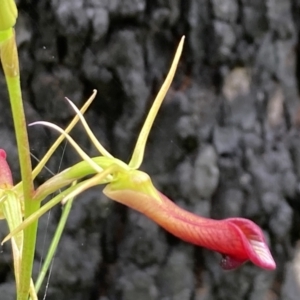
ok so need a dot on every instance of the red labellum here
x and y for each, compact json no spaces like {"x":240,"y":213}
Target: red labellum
{"x":237,"y":239}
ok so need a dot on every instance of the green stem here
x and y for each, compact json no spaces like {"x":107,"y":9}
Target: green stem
{"x":54,"y":244}
{"x":15,"y":96}
{"x":10,"y":59}
{"x":76,"y":172}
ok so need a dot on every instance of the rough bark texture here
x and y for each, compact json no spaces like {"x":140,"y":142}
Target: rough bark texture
{"x":226,"y":141}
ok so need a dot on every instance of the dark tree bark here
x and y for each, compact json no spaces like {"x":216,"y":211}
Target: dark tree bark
{"x":226,"y":141}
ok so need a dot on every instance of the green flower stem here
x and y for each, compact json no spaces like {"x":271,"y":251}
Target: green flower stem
{"x":10,"y":63}
{"x":54,"y":244}
{"x":15,"y":96}
{"x":76,"y":172}
{"x":29,"y":205}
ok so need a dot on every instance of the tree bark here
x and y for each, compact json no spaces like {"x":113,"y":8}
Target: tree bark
{"x":226,"y":141}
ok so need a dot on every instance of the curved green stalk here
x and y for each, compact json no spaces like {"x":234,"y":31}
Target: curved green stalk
{"x":76,"y":172}
{"x":54,"y":243}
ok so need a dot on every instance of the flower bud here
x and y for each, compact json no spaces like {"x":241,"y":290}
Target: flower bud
{"x":8,"y":14}
{"x":5,"y":172}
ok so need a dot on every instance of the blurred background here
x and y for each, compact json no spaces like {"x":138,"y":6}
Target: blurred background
{"x":226,"y":141}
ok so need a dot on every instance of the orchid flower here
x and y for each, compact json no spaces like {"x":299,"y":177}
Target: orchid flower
{"x":237,"y":239}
